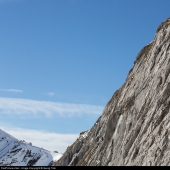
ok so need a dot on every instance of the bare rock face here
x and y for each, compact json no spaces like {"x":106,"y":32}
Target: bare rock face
{"x":134,"y":128}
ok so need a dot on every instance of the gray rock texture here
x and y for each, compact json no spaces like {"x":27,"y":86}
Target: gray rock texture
{"x":134,"y":128}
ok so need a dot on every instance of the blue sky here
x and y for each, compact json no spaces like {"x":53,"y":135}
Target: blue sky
{"x":62,"y":60}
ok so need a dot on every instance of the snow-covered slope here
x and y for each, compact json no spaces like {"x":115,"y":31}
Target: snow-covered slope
{"x":56,"y":156}
{"x":14,"y":152}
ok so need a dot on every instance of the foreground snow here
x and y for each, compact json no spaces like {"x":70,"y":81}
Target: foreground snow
{"x":14,"y":152}
{"x":56,"y":156}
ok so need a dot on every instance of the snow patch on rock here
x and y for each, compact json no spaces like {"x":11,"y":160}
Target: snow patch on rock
{"x":14,"y":152}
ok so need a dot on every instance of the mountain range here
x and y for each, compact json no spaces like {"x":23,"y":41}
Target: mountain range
{"x":134,"y":128}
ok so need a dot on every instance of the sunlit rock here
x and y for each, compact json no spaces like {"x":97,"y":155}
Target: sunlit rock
{"x":134,"y":128}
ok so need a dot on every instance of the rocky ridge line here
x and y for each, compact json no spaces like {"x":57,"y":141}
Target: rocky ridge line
{"x":134,"y":128}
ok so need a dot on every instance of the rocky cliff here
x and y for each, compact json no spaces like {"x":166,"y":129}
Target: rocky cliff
{"x":134,"y":128}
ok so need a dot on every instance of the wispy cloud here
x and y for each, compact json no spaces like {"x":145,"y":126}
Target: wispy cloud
{"x":50,"y":94}
{"x":12,"y":90}
{"x":34,"y":107}
{"x":46,"y":140}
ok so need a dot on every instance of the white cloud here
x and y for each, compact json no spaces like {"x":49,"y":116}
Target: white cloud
{"x":12,"y":90}
{"x":33,"y":107}
{"x":46,"y":140}
{"x":50,"y":94}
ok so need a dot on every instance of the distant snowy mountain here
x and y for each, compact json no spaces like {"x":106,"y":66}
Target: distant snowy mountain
{"x":14,"y":152}
{"x":56,"y":156}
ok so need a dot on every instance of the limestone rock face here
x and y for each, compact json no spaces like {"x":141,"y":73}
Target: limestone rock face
{"x":134,"y":128}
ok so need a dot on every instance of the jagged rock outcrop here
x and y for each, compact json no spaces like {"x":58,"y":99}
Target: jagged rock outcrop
{"x":14,"y":152}
{"x":134,"y":128}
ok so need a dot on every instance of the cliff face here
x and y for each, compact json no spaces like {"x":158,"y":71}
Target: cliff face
{"x":134,"y":128}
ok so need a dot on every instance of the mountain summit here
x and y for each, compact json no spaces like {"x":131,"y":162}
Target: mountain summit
{"x":134,"y":128}
{"x":14,"y":152}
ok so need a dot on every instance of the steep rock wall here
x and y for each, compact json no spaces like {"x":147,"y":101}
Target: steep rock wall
{"x":134,"y":128}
